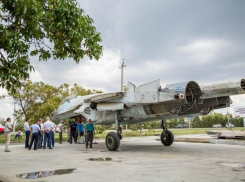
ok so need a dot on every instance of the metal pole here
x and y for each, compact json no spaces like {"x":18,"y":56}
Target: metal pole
{"x":122,"y":66}
{"x":122,"y":77}
{"x":14,"y":116}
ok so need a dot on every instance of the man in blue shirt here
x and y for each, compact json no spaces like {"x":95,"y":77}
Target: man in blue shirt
{"x":80,"y":131}
{"x":35,"y":133}
{"x":89,"y":132}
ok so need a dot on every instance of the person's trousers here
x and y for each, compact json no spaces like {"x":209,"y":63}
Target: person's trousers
{"x":40,"y":140}
{"x":47,"y":136}
{"x":76,"y":136}
{"x":52,"y":138}
{"x":27,"y":132}
{"x":72,"y":135}
{"x":34,"y":138}
{"x":16,"y":136}
{"x":89,"y":138}
{"x":7,"y":142}
{"x":60,"y":137}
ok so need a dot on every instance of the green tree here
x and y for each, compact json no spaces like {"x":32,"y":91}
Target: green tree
{"x":55,"y":29}
{"x":79,"y":90}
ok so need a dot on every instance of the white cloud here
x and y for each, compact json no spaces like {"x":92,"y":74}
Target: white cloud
{"x":35,"y":76}
{"x":204,"y":50}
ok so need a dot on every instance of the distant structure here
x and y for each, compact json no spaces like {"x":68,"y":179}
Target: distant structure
{"x":239,"y":112}
{"x":2,"y":120}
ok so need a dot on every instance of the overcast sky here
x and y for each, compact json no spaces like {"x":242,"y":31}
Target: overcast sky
{"x":173,"y":41}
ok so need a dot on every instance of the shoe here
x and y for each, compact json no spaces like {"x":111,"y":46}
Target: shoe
{"x":35,"y":149}
{"x":86,"y":147}
{"x":29,"y":149}
{"x":91,"y":147}
{"x":50,"y":148}
{"x":6,"y":150}
{"x":44,"y":148}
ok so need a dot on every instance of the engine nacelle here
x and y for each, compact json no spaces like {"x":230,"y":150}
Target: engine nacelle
{"x":223,"y":89}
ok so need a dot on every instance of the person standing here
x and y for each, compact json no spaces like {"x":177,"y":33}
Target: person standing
{"x":27,"y":132}
{"x":53,"y":133}
{"x":73,"y":130}
{"x":76,"y":135}
{"x":7,"y":129}
{"x":47,"y":133}
{"x":89,"y":132}
{"x":35,"y":134}
{"x":60,"y":130}
{"x":68,"y":132}
{"x":41,"y":133}
{"x":80,"y":132}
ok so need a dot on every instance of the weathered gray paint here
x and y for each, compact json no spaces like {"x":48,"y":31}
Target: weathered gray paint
{"x":150,"y":102}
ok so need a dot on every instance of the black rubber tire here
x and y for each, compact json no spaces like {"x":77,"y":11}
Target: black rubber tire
{"x":112,"y":141}
{"x":167,"y":140}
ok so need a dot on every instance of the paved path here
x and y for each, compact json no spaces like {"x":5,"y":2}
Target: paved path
{"x":139,"y":159}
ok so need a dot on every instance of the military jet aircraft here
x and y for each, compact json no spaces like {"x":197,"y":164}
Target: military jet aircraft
{"x":148,"y":102}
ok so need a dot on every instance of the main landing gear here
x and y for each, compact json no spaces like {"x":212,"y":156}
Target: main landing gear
{"x":167,"y":137}
{"x":112,"y":139}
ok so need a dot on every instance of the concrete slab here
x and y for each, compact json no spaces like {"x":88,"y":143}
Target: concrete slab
{"x":139,"y":159}
{"x":227,"y":133}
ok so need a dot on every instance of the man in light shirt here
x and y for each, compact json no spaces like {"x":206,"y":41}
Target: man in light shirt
{"x":35,"y":133}
{"x":40,"y":138}
{"x":27,"y":132}
{"x":7,"y":129}
{"x":60,"y":130}
{"x":53,"y":133}
{"x":47,"y":133}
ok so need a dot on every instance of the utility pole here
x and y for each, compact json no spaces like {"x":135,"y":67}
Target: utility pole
{"x":14,"y":116}
{"x":122,"y":66}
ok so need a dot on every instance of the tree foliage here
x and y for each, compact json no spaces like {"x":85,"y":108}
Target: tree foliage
{"x":38,"y":100}
{"x":207,"y":121}
{"x":55,"y":29}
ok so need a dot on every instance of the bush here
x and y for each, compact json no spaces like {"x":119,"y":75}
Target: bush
{"x":99,"y":129}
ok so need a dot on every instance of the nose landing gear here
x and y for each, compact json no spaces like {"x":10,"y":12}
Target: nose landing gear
{"x":112,"y":139}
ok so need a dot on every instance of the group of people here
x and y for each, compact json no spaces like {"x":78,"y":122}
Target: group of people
{"x":77,"y":131}
{"x":43,"y":133}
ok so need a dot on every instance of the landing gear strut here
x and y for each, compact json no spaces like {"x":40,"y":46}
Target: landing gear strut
{"x":112,"y":139}
{"x":167,"y":137}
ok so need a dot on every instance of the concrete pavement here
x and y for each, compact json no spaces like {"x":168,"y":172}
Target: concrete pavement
{"x":138,"y":159}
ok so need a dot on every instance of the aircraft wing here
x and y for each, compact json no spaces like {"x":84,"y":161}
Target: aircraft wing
{"x":104,"y":97}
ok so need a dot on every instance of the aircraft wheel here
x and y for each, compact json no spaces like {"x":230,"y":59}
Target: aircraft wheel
{"x":167,"y":139}
{"x":112,"y":141}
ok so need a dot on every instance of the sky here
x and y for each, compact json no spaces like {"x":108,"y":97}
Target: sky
{"x":170,"y":40}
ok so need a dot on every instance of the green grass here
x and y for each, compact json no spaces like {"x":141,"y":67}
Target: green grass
{"x":130,"y":133}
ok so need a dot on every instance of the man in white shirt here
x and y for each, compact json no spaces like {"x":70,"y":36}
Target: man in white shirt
{"x":7,"y":129}
{"x":60,"y":130}
{"x":53,"y":133}
{"x":40,"y":137}
{"x":47,"y":133}
{"x":27,"y":132}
